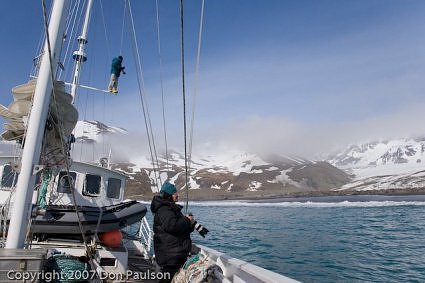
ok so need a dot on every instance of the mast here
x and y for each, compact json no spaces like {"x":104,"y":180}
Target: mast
{"x":79,"y":55}
{"x":36,"y":126}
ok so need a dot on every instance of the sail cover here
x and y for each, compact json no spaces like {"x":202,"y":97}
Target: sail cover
{"x":62,"y":117}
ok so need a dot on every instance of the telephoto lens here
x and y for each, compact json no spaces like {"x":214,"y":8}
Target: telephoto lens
{"x":201,"y":229}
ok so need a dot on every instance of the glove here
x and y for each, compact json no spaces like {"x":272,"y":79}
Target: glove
{"x":201,"y":229}
{"x":191,"y":218}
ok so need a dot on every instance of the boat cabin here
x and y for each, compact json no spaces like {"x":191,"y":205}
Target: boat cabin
{"x":94,"y":185}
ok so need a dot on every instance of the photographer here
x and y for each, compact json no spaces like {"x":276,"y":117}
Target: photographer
{"x":116,"y":70}
{"x":172,"y":243}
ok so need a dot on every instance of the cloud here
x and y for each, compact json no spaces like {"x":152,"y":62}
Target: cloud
{"x":122,"y":147}
{"x":280,"y":135}
{"x":305,"y":108}
{"x":301,"y":96}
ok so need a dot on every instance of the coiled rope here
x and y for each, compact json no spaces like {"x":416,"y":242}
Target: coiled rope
{"x":68,"y":266}
{"x":46,"y":176}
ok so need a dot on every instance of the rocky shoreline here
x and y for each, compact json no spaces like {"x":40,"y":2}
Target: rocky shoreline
{"x":195,"y":195}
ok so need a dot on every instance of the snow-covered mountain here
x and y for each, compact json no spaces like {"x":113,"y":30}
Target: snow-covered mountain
{"x":381,"y":153}
{"x":395,"y":166}
{"x":92,"y":131}
{"x":230,"y":174}
{"x":238,"y":175}
{"x":386,"y":165}
{"x":395,"y":156}
{"x":375,"y":167}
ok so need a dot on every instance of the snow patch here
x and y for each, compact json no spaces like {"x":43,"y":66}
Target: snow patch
{"x":254,"y":186}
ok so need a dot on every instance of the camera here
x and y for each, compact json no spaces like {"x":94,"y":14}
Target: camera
{"x":201,"y":229}
{"x":198,"y":227}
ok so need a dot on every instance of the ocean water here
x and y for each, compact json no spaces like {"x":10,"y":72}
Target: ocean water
{"x":327,"y":239}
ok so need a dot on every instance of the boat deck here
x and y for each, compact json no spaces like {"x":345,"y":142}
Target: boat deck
{"x":141,"y":268}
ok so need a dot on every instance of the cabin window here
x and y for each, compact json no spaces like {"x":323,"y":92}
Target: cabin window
{"x":114,"y":188}
{"x":65,"y":182}
{"x":9,"y":177}
{"x":92,"y":185}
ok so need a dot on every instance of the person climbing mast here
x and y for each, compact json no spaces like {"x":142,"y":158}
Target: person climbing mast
{"x":116,"y":69}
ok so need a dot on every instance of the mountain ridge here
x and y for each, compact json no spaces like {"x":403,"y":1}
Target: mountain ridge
{"x":380,"y":167}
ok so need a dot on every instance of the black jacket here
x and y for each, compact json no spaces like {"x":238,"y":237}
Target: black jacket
{"x":171,"y":240}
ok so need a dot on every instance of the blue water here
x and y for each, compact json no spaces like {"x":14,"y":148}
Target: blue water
{"x":374,"y":239}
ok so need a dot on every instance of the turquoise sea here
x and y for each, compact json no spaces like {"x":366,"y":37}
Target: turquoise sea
{"x":326,"y":239}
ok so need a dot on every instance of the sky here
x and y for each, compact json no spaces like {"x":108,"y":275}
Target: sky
{"x":299,"y":77}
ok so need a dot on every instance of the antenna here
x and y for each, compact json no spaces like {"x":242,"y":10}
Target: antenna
{"x":80,"y":56}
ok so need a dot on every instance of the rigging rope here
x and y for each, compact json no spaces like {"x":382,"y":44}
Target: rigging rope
{"x":104,"y":29}
{"x":141,"y":85}
{"x":107,"y":139}
{"x":64,"y":149}
{"x":73,"y":15}
{"x":198,"y":56}
{"x":162,"y":83}
{"x":122,"y":27}
{"x":184,"y":107}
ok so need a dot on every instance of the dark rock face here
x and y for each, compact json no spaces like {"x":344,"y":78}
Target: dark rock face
{"x":319,"y":176}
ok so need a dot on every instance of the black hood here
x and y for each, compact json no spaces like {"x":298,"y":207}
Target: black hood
{"x":158,"y":202}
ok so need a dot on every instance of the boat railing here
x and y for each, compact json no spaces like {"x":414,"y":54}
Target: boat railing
{"x":145,"y":234}
{"x":236,"y":270}
{"x":3,"y":224}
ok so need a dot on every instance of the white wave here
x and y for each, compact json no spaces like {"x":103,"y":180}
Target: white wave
{"x":309,"y":204}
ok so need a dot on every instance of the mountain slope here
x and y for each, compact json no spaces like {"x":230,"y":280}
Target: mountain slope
{"x":92,"y":131}
{"x":376,"y":167}
{"x":381,"y":153}
{"x":394,"y":166}
{"x":240,"y":176}
{"x":384,"y":166}
{"x":231,"y":174}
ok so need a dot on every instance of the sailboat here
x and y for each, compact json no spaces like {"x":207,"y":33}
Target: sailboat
{"x":66,"y":221}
